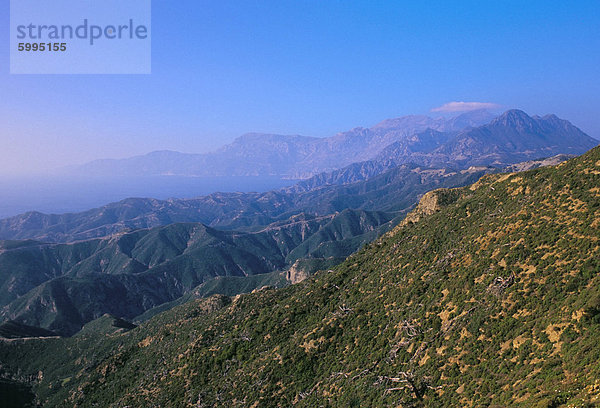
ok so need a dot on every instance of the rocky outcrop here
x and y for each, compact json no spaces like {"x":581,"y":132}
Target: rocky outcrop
{"x":297,"y":273}
{"x":431,"y":203}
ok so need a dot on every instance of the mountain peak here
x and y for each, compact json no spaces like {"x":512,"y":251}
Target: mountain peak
{"x":556,"y":121}
{"x":513,"y":116}
{"x":551,"y":116}
{"x":517,"y":120}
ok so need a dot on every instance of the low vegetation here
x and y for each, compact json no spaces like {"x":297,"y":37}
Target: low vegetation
{"x":488,"y":295}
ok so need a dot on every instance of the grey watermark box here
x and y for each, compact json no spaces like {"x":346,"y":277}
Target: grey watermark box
{"x":80,"y":37}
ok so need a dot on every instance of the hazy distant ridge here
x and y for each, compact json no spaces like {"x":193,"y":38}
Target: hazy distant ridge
{"x":290,"y":156}
{"x":389,"y":182}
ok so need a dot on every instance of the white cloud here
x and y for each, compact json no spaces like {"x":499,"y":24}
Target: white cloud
{"x":465,"y":106}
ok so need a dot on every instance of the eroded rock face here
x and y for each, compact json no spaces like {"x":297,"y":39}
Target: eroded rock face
{"x":296,"y":273}
{"x":431,"y":203}
{"x":428,"y":205}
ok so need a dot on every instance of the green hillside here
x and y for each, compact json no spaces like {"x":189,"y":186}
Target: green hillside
{"x":63,"y":286}
{"x":487,"y":295}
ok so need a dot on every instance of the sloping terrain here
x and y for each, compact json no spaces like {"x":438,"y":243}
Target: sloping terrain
{"x":62,"y":286}
{"x":487,"y":295}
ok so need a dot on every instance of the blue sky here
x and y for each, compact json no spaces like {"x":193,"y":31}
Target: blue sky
{"x":223,"y":68}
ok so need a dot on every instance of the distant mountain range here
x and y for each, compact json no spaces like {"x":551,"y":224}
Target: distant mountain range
{"x":473,"y":138}
{"x":257,"y":154}
{"x":510,"y":138}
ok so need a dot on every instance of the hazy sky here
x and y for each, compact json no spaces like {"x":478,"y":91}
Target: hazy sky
{"x":223,"y":68}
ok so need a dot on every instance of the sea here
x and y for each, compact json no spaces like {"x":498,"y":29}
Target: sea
{"x":58,"y":195}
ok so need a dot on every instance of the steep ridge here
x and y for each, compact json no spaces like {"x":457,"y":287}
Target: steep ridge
{"x":510,"y":138}
{"x":63,"y":286}
{"x":488,"y":296}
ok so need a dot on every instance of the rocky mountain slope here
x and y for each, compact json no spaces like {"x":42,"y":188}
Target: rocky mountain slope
{"x":487,"y":295}
{"x":510,"y":138}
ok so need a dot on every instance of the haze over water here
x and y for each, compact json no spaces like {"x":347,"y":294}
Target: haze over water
{"x":52,"y":194}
